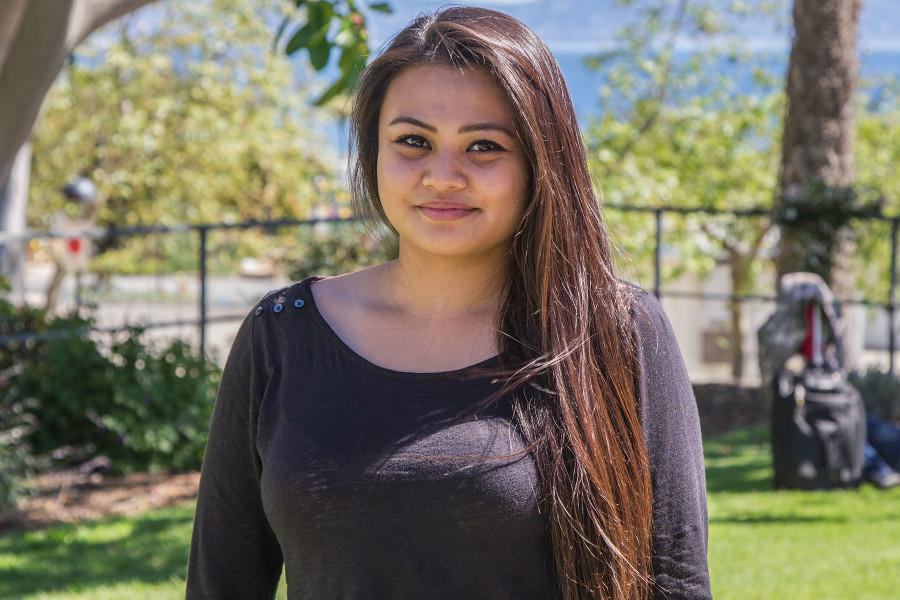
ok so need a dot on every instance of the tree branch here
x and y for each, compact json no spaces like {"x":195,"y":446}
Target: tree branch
{"x":757,"y":241}
{"x":11,"y":13}
{"x":705,"y":226}
{"x":47,"y":32}
{"x":663,"y":90}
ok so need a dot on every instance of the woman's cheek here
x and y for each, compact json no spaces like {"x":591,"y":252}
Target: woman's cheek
{"x":398,"y":166}
{"x":504,"y":181}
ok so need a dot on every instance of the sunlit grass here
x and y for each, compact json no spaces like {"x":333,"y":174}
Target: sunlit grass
{"x":767,"y":544}
{"x":136,"y":558}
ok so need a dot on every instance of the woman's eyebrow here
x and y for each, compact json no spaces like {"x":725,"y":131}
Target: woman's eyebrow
{"x":487,"y":126}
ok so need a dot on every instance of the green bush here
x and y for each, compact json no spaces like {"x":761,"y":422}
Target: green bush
{"x":16,"y":460}
{"x":880,"y":391}
{"x":143,"y":409}
{"x":66,"y":398}
{"x":16,"y":410}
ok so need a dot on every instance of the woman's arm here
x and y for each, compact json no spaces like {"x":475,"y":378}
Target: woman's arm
{"x":234,"y":553}
{"x":672,"y":436}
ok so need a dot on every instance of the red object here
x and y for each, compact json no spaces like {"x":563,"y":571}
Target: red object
{"x":807,"y":346}
{"x":74,"y":245}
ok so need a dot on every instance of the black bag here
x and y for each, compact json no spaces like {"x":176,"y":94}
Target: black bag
{"x":818,"y":430}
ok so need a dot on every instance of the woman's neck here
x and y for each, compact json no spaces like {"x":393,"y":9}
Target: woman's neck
{"x":436,"y":288}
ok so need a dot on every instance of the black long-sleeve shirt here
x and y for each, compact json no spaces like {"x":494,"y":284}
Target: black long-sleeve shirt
{"x":349,"y":474}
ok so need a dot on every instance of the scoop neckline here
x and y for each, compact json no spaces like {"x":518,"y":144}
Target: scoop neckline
{"x":306,"y":288}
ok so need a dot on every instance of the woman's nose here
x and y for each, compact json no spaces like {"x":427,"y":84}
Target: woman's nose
{"x":443,"y":173}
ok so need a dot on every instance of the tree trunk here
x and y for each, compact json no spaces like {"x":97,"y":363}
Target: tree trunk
{"x":14,"y":198}
{"x":53,"y":290}
{"x":818,"y":124}
{"x":738,"y":269}
{"x":11,"y":13}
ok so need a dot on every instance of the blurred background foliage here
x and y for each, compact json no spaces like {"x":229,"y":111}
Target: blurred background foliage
{"x":75,"y":394}
{"x":175,"y":125}
{"x":185,"y":116}
{"x":678,"y":129}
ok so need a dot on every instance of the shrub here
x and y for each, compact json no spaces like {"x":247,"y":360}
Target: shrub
{"x":16,"y":411}
{"x":16,"y":461}
{"x":65,"y":397}
{"x":144,"y":409}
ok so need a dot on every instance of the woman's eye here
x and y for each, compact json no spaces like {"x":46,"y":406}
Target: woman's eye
{"x":418,"y":142}
{"x":413,"y":141}
{"x":485,"y":146}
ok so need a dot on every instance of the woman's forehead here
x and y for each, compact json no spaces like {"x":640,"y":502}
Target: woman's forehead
{"x":447,"y":95}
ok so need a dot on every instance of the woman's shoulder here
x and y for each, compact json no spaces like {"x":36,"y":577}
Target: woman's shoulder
{"x":274,"y":300}
{"x":664,"y":385}
{"x":288,"y":311}
{"x":648,"y":317}
{"x":657,"y":350}
{"x":276,"y":309}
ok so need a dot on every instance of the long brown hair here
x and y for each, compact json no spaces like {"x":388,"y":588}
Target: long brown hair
{"x":565,"y":324}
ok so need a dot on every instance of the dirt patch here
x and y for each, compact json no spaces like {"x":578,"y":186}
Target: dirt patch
{"x":70,"y":496}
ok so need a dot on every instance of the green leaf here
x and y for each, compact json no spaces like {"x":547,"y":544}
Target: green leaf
{"x":351,"y":59}
{"x":319,"y":51}
{"x":320,"y":13}
{"x":384,"y":7}
{"x":345,"y":38}
{"x":302,"y":38}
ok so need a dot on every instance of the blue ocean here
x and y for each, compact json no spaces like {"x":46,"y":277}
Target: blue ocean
{"x":877,"y":70}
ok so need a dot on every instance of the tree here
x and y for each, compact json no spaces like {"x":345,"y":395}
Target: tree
{"x":661,"y":142}
{"x":175,"y":125}
{"x":700,"y":155}
{"x":816,"y":153}
{"x":35,"y":38}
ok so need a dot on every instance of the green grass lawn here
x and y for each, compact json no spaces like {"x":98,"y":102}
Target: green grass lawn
{"x":763,"y":544}
{"x":843,"y":544}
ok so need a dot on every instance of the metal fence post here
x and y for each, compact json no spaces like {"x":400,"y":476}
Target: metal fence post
{"x":657,"y":255}
{"x":203,"y":230}
{"x":892,"y":342}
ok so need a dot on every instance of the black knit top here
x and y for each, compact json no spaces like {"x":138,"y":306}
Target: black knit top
{"x":365,"y":483}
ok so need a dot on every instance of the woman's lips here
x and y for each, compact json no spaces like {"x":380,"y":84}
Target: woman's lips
{"x":445,"y":214}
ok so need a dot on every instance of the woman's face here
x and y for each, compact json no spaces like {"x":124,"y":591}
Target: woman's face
{"x":452,"y":176}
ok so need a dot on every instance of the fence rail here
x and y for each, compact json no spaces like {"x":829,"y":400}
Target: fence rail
{"x":202,"y":230}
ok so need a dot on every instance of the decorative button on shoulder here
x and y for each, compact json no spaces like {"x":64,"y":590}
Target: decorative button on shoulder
{"x":298,"y":303}
{"x":278,"y":307}
{"x":259,"y":310}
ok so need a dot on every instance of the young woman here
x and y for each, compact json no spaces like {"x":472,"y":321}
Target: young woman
{"x":493,"y":414}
